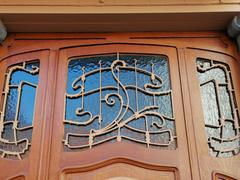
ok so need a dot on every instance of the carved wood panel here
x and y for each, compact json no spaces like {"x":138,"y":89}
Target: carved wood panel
{"x":121,"y":168}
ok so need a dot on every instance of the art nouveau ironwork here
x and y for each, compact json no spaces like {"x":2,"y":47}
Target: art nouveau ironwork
{"x":219,"y":106}
{"x":16,"y":116}
{"x":119,"y":97}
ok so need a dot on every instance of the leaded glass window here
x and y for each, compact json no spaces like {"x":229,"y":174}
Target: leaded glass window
{"x":220,"y":109}
{"x":17,"y":109}
{"x":119,"y":97}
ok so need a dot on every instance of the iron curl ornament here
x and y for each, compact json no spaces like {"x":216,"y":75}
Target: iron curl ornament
{"x":17,"y":111}
{"x":221,"y":114}
{"x":117,"y":98}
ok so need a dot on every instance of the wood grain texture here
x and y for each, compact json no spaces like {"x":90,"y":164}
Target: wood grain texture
{"x":112,"y":2}
{"x":122,"y":171}
{"x":121,"y":167}
{"x":117,"y":15}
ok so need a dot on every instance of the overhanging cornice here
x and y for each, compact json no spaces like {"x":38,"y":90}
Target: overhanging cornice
{"x":109,"y":18}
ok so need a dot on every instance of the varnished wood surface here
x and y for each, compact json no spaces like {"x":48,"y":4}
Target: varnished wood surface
{"x":30,"y":165}
{"x":121,"y":167}
{"x":207,"y":163}
{"x":47,"y":159}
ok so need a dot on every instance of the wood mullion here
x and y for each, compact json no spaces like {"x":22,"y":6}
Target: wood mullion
{"x":48,"y":116}
{"x":192,"y":148}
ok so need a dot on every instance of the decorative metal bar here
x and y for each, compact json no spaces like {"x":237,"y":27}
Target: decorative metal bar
{"x":15,"y":148}
{"x":100,"y":97}
{"x":224,"y":135}
{"x":109,"y":102}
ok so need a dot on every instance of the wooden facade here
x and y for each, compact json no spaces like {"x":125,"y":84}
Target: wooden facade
{"x":57,"y":31}
{"x":190,"y":160}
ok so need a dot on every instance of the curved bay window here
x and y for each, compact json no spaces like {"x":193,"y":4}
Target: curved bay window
{"x":142,"y":106}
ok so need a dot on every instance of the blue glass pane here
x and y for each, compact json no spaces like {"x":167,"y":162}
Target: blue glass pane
{"x":18,"y":109}
{"x":19,"y":76}
{"x":26,"y":110}
{"x":11,"y":106}
{"x":124,"y":97}
{"x":8,"y":132}
{"x":89,"y":63}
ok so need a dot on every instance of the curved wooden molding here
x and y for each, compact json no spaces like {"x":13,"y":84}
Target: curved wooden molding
{"x":222,"y":176}
{"x":111,"y":165}
{"x":19,"y":177}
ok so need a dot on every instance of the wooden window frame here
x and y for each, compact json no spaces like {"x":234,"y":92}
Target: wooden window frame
{"x":59,"y":47}
{"x":28,"y":165}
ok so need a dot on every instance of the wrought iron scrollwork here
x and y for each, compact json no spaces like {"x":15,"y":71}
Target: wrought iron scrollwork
{"x":220,"y":109}
{"x":13,"y":145}
{"x":118,"y":101}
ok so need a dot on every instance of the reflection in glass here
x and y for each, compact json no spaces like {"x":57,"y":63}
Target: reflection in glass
{"x":220,"y":110}
{"x":17,"y":111}
{"x":119,"y":97}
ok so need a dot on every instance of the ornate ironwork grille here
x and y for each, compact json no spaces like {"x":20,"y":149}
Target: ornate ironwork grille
{"x":16,"y":117}
{"x":119,"y":97}
{"x":220,"y":108}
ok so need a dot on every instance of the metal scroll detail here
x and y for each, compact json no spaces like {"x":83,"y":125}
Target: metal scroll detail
{"x":119,"y":98}
{"x":18,"y":99}
{"x":220,"y":109}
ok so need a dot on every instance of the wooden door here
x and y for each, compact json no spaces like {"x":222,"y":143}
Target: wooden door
{"x":214,"y":81}
{"x":121,"y":148}
{"x":22,"y":79}
{"x":119,"y":106}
